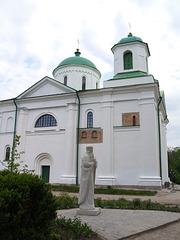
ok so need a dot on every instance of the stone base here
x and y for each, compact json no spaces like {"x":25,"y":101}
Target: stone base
{"x":91,"y":212}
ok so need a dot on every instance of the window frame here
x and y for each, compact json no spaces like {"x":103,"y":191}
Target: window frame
{"x":90,"y":119}
{"x":128,"y":60}
{"x":83,"y":83}
{"x":65,"y":80}
{"x":134,"y":120}
{"x":7,"y":153}
{"x":46,"y":120}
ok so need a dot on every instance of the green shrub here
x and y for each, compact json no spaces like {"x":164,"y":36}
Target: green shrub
{"x":71,"y":229}
{"x":174,"y":166}
{"x":99,"y":202}
{"x":65,"y":188}
{"x":148,"y":204}
{"x":27,"y":207}
{"x":136,"y":202}
{"x":65,"y":202}
{"x":117,"y":191}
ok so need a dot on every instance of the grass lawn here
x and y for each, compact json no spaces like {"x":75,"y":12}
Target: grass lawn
{"x":108,"y":190}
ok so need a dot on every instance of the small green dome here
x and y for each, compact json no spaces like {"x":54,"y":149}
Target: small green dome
{"x":130,"y":38}
{"x":77,"y":60}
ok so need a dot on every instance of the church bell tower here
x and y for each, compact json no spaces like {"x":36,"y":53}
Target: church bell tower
{"x":130,"y":55}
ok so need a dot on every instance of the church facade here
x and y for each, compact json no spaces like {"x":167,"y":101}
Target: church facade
{"x":124,"y":121}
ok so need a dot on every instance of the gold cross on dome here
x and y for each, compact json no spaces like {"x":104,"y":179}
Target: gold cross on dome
{"x":78,"y":43}
{"x":129,"y":28}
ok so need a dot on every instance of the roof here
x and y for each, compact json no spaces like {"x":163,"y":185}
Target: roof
{"x":77,"y":60}
{"x":130,"y":38}
{"x":130,"y":75}
{"x":56,"y":90}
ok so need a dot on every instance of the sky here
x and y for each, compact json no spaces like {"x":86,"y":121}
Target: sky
{"x":36,"y":35}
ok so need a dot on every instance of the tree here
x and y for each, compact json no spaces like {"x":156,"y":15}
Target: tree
{"x":13,"y":164}
{"x":27,"y":206}
{"x":174,"y":166}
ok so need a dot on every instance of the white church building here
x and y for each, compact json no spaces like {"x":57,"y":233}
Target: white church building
{"x":124,"y":121}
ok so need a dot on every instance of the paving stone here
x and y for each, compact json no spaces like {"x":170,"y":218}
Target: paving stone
{"x":115,"y":224}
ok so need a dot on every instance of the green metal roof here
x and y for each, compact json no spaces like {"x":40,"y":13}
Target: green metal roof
{"x":130,"y":38}
{"x":129,"y":75}
{"x":77,"y":60}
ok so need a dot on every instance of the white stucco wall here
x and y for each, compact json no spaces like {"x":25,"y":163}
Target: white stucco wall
{"x":127,"y":155}
{"x":139,"y":53}
{"x":128,"y":81}
{"x":74,"y":76}
{"x":164,"y":155}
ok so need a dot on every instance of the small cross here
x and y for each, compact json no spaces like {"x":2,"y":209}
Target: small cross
{"x":78,"y":43}
{"x":129,"y":28}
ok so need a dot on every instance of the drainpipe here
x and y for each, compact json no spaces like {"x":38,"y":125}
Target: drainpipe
{"x":14,"y":134}
{"x":160,"y":163}
{"x":77,"y":151}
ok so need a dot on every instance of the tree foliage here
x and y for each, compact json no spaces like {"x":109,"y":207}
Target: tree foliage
{"x":174,"y":166}
{"x":14,"y":164}
{"x":27,"y":207}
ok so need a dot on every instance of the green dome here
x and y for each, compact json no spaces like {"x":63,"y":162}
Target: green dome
{"x":130,"y":38}
{"x":77,"y":60}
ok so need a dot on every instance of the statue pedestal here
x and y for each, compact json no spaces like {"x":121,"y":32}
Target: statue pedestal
{"x":89,"y":212}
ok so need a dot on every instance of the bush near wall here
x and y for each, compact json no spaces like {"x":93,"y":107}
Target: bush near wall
{"x":174,"y":166}
{"x":27,"y":207}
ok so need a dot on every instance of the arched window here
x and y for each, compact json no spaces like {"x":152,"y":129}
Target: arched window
{"x":84,"y":134}
{"x":65,"y":80}
{"x":128,"y":63}
{"x":89,"y":120}
{"x":134,"y":120}
{"x":83,"y":83}
{"x":94,"y":134}
{"x":46,"y":120}
{"x":10,"y":124}
{"x":8,"y":151}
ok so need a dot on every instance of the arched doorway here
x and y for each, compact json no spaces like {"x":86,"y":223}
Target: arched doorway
{"x":45,"y":172}
{"x":43,"y":166}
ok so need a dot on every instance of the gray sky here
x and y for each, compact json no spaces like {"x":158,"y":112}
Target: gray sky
{"x":36,"y":35}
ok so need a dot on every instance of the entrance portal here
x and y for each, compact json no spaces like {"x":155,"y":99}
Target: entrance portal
{"x":45,"y":172}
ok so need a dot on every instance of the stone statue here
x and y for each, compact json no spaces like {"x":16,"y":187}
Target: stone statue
{"x":86,"y":193}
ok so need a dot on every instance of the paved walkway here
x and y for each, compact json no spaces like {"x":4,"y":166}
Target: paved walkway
{"x":115,"y":224}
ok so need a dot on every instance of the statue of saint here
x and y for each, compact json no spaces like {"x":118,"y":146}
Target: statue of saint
{"x":88,"y":172}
